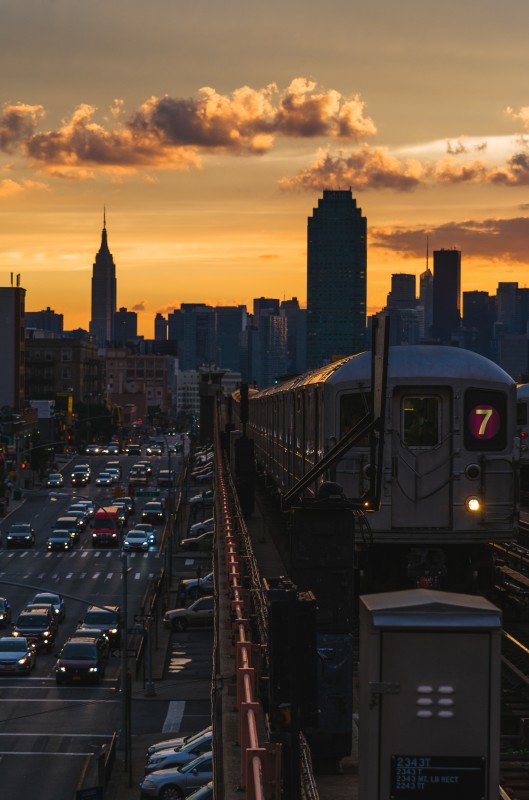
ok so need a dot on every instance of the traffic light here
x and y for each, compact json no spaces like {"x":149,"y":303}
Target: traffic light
{"x":24,"y":465}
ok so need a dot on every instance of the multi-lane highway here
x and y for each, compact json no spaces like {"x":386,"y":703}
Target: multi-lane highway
{"x":46,"y":730}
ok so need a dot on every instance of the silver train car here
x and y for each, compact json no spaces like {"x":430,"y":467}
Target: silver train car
{"x":522,"y":419}
{"x":450,"y":471}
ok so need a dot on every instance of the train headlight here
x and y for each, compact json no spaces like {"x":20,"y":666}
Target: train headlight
{"x":472,"y":472}
{"x":473,"y":504}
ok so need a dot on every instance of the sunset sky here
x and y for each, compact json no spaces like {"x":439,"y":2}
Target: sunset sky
{"x":209,"y":129}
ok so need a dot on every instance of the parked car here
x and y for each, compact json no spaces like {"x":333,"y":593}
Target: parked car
{"x":20,"y":534}
{"x":17,"y":654}
{"x":38,"y":627}
{"x":198,"y":614}
{"x":178,"y":756}
{"x":204,"y":477}
{"x":192,"y":588}
{"x":205,"y":498}
{"x":153,"y":512}
{"x":181,"y":780}
{"x":200,"y":542}
{"x":179,"y":741}
{"x":55,"y":479}
{"x":5,"y":612}
{"x":56,"y":601}
{"x":136,"y":540}
{"x":201,"y":527}
{"x":81,"y":660}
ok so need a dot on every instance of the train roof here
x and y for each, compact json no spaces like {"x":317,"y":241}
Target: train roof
{"x":409,"y":362}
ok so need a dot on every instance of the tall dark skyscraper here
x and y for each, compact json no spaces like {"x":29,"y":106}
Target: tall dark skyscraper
{"x":103,"y":293}
{"x":446,"y":294}
{"x":336,"y":278}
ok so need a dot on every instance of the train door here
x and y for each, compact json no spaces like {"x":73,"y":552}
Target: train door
{"x":421,"y":458}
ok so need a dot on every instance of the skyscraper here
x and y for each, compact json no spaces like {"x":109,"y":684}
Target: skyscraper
{"x":12,"y":346}
{"x":446,"y":294}
{"x":336,"y":278}
{"x":103,"y":293}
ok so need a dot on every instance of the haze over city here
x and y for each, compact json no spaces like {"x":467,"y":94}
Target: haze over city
{"x":210,"y":130}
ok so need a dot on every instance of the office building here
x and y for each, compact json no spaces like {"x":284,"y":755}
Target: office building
{"x":446,"y":295}
{"x":46,"y":320}
{"x":12,"y":346}
{"x":336,"y":278}
{"x":125,"y":326}
{"x":103,"y":293}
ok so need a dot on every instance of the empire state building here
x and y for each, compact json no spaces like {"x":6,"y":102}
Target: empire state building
{"x":103,"y":293}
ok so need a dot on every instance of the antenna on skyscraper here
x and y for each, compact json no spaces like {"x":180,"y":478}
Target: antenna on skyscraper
{"x":104,"y":216}
{"x":11,"y":279}
{"x":427,"y":251}
{"x":18,"y":279}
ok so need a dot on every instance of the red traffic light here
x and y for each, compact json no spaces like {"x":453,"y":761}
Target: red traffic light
{"x":23,"y":465}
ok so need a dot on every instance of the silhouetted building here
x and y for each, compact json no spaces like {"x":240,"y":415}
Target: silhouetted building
{"x":336,"y":278}
{"x":230,"y":322}
{"x":160,"y":328}
{"x":402,"y":294}
{"x":478,"y":322}
{"x":446,"y":294}
{"x":426,"y":302}
{"x":46,"y":320}
{"x":103,"y":293}
{"x":56,"y":367}
{"x":12,"y":347}
{"x":296,"y":335}
{"x":125,"y":326}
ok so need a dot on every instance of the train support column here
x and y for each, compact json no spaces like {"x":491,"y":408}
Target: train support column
{"x":430,"y":675}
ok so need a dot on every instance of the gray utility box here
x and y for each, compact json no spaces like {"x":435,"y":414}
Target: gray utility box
{"x":429,"y":709}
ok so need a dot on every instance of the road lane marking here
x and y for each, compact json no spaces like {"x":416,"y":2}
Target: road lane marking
{"x":175,"y":712}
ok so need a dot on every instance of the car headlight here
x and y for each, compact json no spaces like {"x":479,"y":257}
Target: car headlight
{"x":16,"y":633}
{"x":92,"y":669}
{"x":113,"y":630}
{"x":46,"y":633}
{"x":23,"y":661}
{"x":61,"y":669}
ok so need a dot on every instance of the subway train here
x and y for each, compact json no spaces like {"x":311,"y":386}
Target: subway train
{"x":450,"y":460}
{"x":522,"y":419}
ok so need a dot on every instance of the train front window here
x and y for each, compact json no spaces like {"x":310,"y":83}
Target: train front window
{"x":353,"y":408}
{"x":420,"y":421}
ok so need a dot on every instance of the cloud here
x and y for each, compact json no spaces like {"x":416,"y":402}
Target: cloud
{"x":490,"y":239}
{"x":140,"y":307}
{"x":522,"y":115}
{"x":364,"y":168}
{"x":9,"y":188}
{"x":268,"y":256}
{"x":174,"y":133}
{"x":17,"y":123}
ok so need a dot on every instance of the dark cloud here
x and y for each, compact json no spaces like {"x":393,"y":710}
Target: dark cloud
{"x":17,"y":123}
{"x":491,"y":239}
{"x":365,"y":168}
{"x":139,"y":307}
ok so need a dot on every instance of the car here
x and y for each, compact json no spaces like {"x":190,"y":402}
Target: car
{"x":153,"y":512}
{"x":178,"y":756}
{"x":59,"y":540}
{"x":200,"y":542}
{"x":115,"y":474}
{"x":144,"y":462}
{"x":80,"y":516}
{"x":136,"y":540}
{"x":17,"y":654}
{"x":47,"y":607}
{"x":107,"y":619}
{"x":205,"y":498}
{"x":94,"y":633}
{"x":5,"y":612}
{"x":138,"y":475}
{"x":198,"y":614}
{"x":20,"y":534}
{"x":201,"y":527}
{"x":112,"y":448}
{"x":148,"y":527}
{"x":81,"y":660}
{"x":191,"y":588}
{"x":68,"y":523}
{"x":56,"y":600}
{"x":80,"y":479}
{"x":154,"y":450}
{"x":104,"y":479}
{"x":133,"y":450}
{"x":120,"y":502}
{"x":38,"y":627}
{"x":169,"y":784}
{"x":130,"y":502}
{"x":166,"y":478}
{"x":204,"y":477}
{"x":55,"y":479}
{"x":89,"y":506}
{"x":179,"y":741}
{"x":113,"y":465}
{"x":92,"y":449}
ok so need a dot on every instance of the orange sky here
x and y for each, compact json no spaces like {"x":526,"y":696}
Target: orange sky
{"x":209,"y":131}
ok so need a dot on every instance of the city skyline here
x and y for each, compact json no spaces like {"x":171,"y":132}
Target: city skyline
{"x":210,"y":134}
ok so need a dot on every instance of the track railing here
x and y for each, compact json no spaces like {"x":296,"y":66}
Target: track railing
{"x":260,"y":766}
